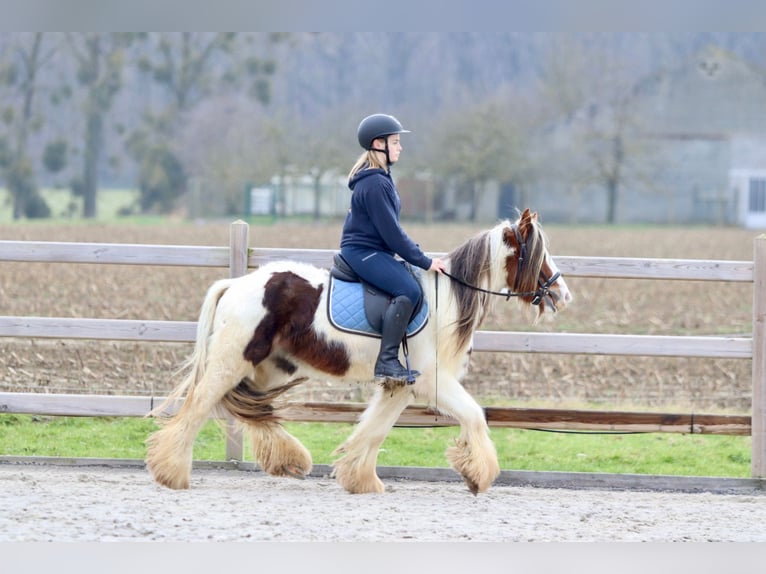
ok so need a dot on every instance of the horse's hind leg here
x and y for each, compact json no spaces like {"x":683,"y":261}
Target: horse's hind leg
{"x":251,"y":402}
{"x":170,"y":449}
{"x":278,"y":452}
{"x":355,"y":470}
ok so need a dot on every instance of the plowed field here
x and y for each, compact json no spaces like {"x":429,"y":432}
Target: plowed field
{"x":600,"y":306}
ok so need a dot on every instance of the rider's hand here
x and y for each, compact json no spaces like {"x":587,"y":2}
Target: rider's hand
{"x":437,"y":265}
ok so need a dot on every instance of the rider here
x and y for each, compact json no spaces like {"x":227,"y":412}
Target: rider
{"x":372,"y":236}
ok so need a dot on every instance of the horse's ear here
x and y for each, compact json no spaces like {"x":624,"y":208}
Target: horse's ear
{"x":526,"y":220}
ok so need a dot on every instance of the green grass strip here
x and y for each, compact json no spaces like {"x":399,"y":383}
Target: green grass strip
{"x":656,"y":453}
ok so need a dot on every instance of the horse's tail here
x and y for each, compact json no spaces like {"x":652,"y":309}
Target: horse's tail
{"x":194,"y":366}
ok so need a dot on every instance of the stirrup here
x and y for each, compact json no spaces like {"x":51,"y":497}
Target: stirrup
{"x":404,"y":376}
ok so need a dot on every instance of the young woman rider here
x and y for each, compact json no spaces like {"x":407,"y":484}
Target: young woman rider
{"x":372,"y":236}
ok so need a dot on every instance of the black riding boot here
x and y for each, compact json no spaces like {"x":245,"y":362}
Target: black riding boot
{"x":395,"y":320}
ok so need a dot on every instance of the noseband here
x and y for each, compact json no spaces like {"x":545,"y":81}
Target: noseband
{"x":544,"y":283}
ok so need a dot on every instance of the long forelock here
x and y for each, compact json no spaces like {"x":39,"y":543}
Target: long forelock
{"x":537,"y":246}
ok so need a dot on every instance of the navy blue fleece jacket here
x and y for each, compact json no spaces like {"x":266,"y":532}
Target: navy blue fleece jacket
{"x":373,"y":219}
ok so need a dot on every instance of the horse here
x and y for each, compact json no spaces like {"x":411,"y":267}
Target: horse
{"x":265,"y":332}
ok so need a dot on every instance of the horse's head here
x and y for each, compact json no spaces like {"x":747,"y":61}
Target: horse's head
{"x":530,"y":269}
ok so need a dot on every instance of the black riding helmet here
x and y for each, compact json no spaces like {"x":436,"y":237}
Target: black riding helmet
{"x":378,"y":126}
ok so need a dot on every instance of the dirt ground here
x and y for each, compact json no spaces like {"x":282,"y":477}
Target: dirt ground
{"x":600,"y":306}
{"x":84,"y":504}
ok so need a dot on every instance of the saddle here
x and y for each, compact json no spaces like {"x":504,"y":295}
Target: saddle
{"x":355,"y":306}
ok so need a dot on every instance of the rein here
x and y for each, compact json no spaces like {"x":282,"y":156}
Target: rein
{"x":506,"y":294}
{"x":544,"y":283}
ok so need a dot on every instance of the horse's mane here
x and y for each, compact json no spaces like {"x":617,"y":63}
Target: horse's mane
{"x":474,"y":263}
{"x":471,"y":263}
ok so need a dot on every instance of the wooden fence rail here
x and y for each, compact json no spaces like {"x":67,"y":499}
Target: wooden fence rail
{"x":238,"y":258}
{"x":416,"y":416}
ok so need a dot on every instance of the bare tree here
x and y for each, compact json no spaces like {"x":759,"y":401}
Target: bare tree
{"x":100,"y":59}
{"x":21,"y":74}
{"x":191,"y":67}
{"x":590,"y":92}
{"x":478,"y":145}
{"x":321,"y":151}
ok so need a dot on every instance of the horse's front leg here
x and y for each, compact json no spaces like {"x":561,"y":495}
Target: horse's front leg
{"x":473,"y":455}
{"x":355,"y":470}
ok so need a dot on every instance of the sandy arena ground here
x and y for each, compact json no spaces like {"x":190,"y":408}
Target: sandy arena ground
{"x":97,"y":504}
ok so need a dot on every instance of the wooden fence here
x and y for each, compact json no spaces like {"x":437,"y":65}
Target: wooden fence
{"x":238,"y":257}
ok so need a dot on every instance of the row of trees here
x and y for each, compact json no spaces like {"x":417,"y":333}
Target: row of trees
{"x":158,"y":110}
{"x":55,"y":85}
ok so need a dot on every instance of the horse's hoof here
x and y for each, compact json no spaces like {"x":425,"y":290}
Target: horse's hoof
{"x":472,"y":486}
{"x":294,"y":471}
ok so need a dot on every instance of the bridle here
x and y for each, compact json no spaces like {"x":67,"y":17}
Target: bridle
{"x":544,"y":283}
{"x":542,"y":292}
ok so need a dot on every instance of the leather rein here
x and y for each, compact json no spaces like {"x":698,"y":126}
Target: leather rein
{"x":544,"y":283}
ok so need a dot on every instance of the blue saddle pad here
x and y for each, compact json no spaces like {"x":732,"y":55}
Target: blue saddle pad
{"x":345,"y":310}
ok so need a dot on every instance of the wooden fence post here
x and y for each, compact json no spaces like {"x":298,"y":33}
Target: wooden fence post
{"x":758,"y":432}
{"x":239,"y":240}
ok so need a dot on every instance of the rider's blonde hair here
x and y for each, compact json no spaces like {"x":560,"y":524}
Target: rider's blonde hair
{"x":368,"y":160}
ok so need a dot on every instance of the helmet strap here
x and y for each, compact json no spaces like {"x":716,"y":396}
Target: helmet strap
{"x":385,"y":151}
